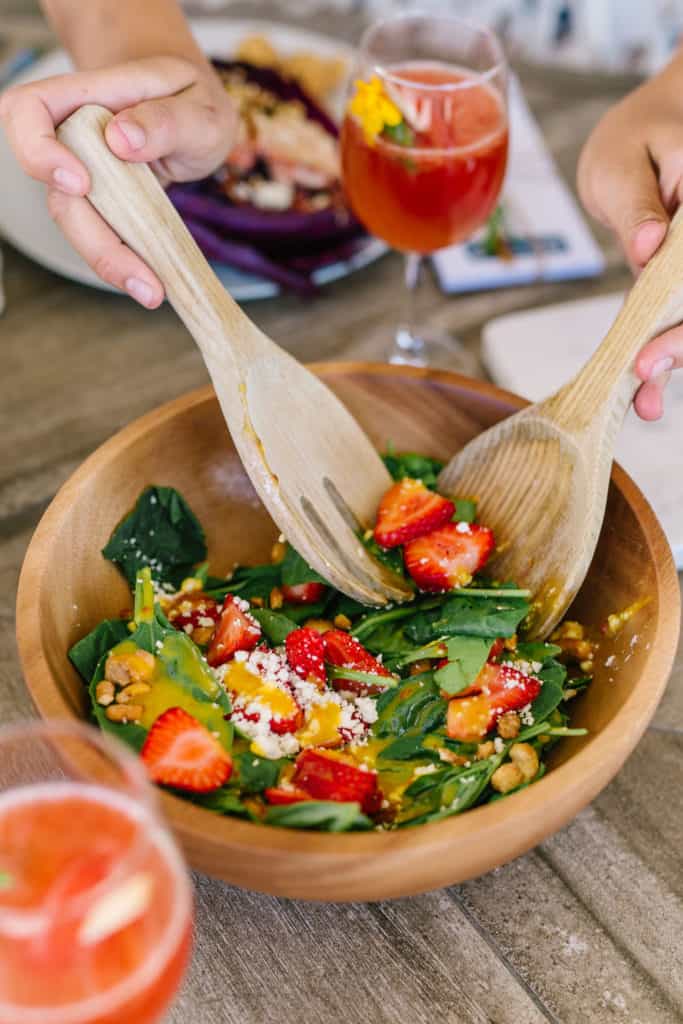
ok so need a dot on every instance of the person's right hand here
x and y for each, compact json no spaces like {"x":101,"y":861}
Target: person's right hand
{"x":171,"y":113}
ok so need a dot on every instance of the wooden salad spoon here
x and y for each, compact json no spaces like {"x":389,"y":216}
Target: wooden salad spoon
{"x":311,"y":464}
{"x":541,"y":476}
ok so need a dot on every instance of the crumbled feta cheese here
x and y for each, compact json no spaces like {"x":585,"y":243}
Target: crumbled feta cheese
{"x":424,"y":769}
{"x":463,"y":528}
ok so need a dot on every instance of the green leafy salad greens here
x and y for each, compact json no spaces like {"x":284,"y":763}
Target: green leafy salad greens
{"x":435,"y":648}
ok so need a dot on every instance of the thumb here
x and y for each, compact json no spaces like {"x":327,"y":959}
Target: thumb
{"x":176,"y":131}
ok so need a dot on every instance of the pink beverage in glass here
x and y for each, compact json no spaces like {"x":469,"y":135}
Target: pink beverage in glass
{"x":95,"y":906}
{"x":442,"y":188}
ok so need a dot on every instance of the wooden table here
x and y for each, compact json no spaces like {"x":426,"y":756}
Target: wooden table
{"x":588,"y":926}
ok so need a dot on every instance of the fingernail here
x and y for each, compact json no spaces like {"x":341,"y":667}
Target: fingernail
{"x":67,"y":181}
{"x":133,"y":134}
{"x":661,"y":367}
{"x":140,"y":290}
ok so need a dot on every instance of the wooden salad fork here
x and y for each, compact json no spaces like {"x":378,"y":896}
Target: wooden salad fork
{"x":313,"y":467}
{"x":541,"y":476}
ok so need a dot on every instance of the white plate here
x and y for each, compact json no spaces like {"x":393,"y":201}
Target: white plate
{"x":24,"y":220}
{"x":535,"y":351}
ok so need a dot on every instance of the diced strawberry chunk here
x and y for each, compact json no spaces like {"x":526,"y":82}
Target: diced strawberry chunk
{"x":194,"y":610}
{"x":344,"y":651}
{"x":279,"y":795}
{"x":497,"y":648}
{"x":181,"y":752}
{"x":501,"y":688}
{"x":409,"y":510}
{"x":237,"y":630}
{"x":303,"y":593}
{"x":448,"y":557}
{"x":306,"y":655}
{"x":325,"y":777}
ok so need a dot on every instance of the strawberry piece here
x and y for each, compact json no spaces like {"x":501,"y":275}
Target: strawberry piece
{"x":237,"y":630}
{"x":181,"y":752}
{"x":507,"y":688}
{"x":409,"y":510}
{"x":344,"y":651}
{"x":497,"y":648}
{"x":193,"y":610}
{"x":325,"y":777}
{"x":448,"y":557}
{"x":306,"y":655}
{"x":303,"y":593}
{"x":278,"y":795}
{"x":468,"y":718}
{"x":502,"y":688}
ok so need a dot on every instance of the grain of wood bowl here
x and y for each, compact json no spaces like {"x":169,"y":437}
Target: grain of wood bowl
{"x":66,"y":587}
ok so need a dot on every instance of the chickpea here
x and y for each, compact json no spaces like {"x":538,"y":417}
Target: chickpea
{"x":507,"y":778}
{"x":526,"y":759}
{"x":509,"y":725}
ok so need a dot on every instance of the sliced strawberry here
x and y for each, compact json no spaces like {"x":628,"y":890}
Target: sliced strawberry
{"x":507,"y":688}
{"x":409,"y":510}
{"x":502,"y":688}
{"x":303,"y":593}
{"x":325,"y":777}
{"x":468,"y":718}
{"x":237,"y":630}
{"x":344,"y":651}
{"x":279,"y":795}
{"x":306,"y":655}
{"x":448,"y":557}
{"x":181,"y":752}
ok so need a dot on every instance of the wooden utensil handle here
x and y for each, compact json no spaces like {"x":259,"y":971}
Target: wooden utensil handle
{"x":654,"y":304}
{"x":131,"y":200}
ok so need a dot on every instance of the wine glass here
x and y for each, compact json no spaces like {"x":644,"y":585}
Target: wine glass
{"x":95,"y":902}
{"x":424,"y":147}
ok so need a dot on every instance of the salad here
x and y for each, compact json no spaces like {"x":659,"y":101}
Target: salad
{"x":268,"y":695}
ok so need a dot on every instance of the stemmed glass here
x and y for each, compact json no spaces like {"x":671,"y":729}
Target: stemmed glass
{"x":95,"y":902}
{"x":424,"y":148}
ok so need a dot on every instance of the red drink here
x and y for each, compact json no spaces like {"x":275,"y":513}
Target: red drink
{"x":441,"y":188}
{"x":95,"y":908}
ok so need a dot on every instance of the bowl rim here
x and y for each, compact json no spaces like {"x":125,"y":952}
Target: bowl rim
{"x":574,"y":783}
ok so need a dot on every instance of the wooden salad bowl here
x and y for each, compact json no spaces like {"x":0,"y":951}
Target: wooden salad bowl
{"x":67,"y":587}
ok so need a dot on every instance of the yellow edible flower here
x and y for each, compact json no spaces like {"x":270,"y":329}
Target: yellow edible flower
{"x":373,"y":108}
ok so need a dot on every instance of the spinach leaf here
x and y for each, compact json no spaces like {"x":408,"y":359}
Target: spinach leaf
{"x":248,"y":581}
{"x":419,"y":467}
{"x":254,"y":774}
{"x":407,"y":748}
{"x":466,"y":657}
{"x":489,"y":617}
{"x":465,"y":510}
{"x":537,"y":651}
{"x":275,"y":625}
{"x":86,"y":653}
{"x":322,"y":815}
{"x":223,"y":801}
{"x":296,"y":570}
{"x":391,"y":557}
{"x":549,"y":698}
{"x":187,"y":677}
{"x":161,"y":532}
{"x":416,"y":706}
